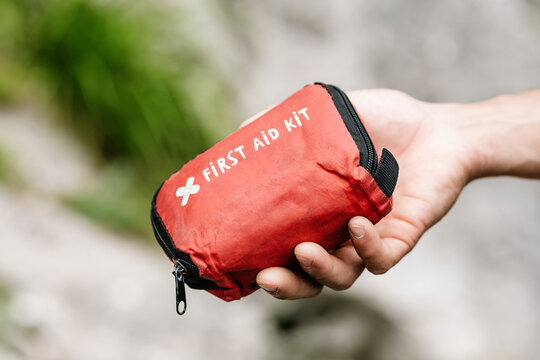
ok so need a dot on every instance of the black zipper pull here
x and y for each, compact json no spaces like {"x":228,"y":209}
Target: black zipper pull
{"x":180,"y":287}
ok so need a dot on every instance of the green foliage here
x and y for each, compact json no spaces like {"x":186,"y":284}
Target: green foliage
{"x":115,"y":86}
{"x":4,"y":321}
{"x":116,"y":202}
{"x":9,"y":69}
{"x":121,"y":76}
{"x":9,"y":83}
{"x":7,"y":171}
{"x":3,"y":165}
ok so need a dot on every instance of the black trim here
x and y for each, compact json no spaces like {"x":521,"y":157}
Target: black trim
{"x":192,"y":277}
{"x":386,"y":174}
{"x":368,"y":155}
{"x":165,"y":240}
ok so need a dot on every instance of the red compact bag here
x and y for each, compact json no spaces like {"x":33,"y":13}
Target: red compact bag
{"x":297,"y":173}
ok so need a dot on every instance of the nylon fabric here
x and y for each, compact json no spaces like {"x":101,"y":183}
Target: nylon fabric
{"x":292,"y":175}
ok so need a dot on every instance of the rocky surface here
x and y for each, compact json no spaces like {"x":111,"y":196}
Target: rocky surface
{"x":470,"y":290}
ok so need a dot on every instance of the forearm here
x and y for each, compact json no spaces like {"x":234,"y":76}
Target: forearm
{"x":453,"y":144}
{"x":501,"y":136}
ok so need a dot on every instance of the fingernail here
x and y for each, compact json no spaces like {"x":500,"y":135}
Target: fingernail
{"x":305,"y":262}
{"x":357,"y":231}
{"x":268,"y":288}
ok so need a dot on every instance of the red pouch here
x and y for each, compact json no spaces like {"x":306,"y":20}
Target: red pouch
{"x":295,"y":174}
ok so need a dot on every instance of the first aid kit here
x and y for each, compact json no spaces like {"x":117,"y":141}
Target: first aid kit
{"x":295,"y":174}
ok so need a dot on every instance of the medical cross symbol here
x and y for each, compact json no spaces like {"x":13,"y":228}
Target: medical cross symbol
{"x":187,"y":190}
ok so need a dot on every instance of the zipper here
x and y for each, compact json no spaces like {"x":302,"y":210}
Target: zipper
{"x":180,"y":266}
{"x":170,"y":250}
{"x":368,"y":155}
{"x":180,"y":287}
{"x":184,"y":270}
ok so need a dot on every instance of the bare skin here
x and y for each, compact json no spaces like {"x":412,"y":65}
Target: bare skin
{"x":440,"y":148}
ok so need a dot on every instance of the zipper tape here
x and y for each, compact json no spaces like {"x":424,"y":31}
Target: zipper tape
{"x":368,"y":155}
{"x":385,"y":173}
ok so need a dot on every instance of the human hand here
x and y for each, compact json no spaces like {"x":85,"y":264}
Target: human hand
{"x":435,"y":164}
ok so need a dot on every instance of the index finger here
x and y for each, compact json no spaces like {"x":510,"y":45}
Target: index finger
{"x":378,"y":253}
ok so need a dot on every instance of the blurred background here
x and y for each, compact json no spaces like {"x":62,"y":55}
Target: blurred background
{"x":102,"y":100}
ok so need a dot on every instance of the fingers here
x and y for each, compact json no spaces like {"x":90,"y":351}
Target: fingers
{"x":378,"y":254}
{"x":284,"y":284}
{"x":338,"y":271}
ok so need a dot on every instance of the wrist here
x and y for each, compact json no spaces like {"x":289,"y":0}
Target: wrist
{"x":499,"y":136}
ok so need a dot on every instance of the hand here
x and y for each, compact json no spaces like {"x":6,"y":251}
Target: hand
{"x":435,"y":162}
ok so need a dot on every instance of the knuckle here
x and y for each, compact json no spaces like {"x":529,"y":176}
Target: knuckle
{"x":340,"y":284}
{"x":320,"y":272}
{"x":338,"y":281}
{"x":369,"y":253}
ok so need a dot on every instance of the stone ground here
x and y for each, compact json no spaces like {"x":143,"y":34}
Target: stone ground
{"x":470,"y":290}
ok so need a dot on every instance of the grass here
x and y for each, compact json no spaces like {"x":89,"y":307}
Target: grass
{"x":4,"y":319}
{"x":124,"y":79}
{"x":117,"y":202}
{"x":10,"y":74}
{"x":8,"y":173}
{"x":119,"y":93}
{"x":4,"y":165}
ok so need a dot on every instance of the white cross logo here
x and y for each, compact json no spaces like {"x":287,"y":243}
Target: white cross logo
{"x":187,"y":190}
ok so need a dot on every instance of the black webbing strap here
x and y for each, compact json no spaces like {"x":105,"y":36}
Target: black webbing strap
{"x":387,"y":173}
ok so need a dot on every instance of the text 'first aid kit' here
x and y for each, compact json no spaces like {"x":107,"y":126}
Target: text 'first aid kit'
{"x":297,"y":173}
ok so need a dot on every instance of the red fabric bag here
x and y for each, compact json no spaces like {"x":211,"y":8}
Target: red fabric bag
{"x":295,"y":174}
